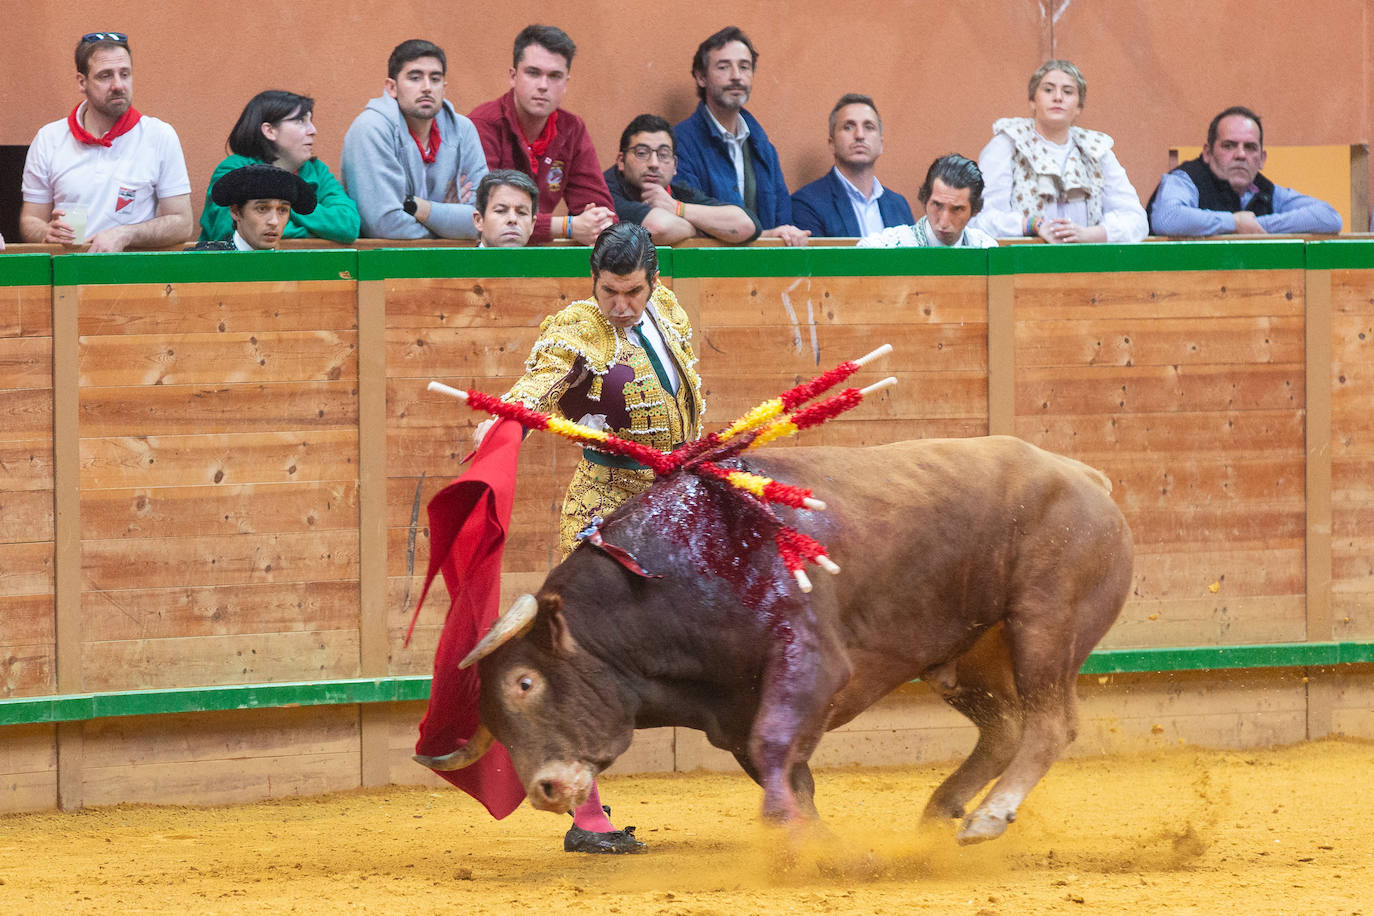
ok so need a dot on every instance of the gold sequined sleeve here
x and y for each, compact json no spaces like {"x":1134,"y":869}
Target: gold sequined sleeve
{"x":570,"y":342}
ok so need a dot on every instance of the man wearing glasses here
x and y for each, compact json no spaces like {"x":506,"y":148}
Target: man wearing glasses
{"x":641,"y":183}
{"x":106,"y":174}
{"x":527,"y":129}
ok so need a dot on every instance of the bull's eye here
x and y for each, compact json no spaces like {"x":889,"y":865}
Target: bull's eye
{"x":526,"y":683}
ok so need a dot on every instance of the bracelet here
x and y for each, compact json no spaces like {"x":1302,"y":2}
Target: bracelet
{"x":1033,"y":225}
{"x":567,"y":227}
{"x":679,"y":208}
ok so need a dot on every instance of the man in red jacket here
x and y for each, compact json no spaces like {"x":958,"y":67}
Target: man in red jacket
{"x":526,"y":129}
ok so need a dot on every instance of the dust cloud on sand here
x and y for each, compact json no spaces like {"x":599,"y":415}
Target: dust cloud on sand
{"x":1177,"y":831}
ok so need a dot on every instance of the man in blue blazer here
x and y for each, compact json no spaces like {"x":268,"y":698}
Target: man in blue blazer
{"x":849,"y":200}
{"x":722,"y":149}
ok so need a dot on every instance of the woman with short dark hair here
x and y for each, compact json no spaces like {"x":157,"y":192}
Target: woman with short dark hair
{"x":277,"y":127}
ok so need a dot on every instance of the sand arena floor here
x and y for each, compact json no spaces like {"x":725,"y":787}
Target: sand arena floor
{"x":1289,"y":830}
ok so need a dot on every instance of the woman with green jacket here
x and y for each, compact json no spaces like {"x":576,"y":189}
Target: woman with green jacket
{"x":277,"y":127}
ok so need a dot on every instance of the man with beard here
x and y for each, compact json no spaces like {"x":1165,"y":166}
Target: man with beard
{"x":722,"y":149}
{"x":527,"y":129}
{"x":410,"y":161}
{"x":1223,"y":191}
{"x":106,"y":174}
{"x":641,"y":183}
{"x":849,"y":200}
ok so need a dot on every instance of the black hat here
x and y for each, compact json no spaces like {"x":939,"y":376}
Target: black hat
{"x":260,"y":181}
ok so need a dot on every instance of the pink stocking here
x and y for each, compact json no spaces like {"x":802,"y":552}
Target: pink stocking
{"x":589,"y":815}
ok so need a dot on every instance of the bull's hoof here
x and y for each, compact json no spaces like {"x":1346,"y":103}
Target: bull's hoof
{"x":980,"y":826}
{"x":612,"y":842}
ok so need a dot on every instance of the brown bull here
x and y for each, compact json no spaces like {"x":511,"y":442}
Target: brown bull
{"x":987,"y":567}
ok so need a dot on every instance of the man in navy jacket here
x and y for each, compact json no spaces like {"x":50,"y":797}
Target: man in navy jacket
{"x":849,"y":200}
{"x":722,"y":149}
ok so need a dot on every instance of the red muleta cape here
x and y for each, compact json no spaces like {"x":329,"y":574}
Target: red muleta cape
{"x":468,"y":520}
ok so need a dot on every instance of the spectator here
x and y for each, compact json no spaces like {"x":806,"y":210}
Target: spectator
{"x":278,"y":128}
{"x":1223,"y":191}
{"x":722,"y":149}
{"x":952,"y":195}
{"x":526,"y":129}
{"x":106,"y":165}
{"x":641,"y":183}
{"x":849,"y":200}
{"x":260,"y":199}
{"x":410,"y":161}
{"x":1047,"y":177}
{"x":507,"y":202}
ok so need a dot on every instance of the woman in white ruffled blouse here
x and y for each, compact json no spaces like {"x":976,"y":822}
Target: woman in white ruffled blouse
{"x":1047,"y":177}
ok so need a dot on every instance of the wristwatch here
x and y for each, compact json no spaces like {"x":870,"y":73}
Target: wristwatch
{"x":409,"y":205}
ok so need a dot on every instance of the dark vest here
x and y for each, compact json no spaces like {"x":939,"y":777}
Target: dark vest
{"x":1215,"y":193}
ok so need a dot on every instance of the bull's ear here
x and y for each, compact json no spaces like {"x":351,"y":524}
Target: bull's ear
{"x":560,"y":637}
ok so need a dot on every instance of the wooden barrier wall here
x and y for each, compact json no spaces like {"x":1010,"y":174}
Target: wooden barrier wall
{"x":215,"y":468}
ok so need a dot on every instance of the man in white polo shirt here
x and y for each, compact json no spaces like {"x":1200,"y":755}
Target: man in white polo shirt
{"x":105,"y":165}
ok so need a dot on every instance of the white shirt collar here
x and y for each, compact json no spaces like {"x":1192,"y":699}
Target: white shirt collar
{"x":729,"y":137}
{"x":240,"y":244}
{"x":855,"y":194}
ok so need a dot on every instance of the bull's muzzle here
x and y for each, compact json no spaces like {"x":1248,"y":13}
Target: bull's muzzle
{"x":516,"y":620}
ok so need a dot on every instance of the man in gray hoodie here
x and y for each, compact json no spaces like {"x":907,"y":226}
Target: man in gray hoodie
{"x":410,"y":161}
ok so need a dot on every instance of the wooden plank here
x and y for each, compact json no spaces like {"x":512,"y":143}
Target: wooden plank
{"x":215,"y":359}
{"x":221,"y":459}
{"x":510,"y":302}
{"x":1102,"y":439}
{"x":1352,"y":292}
{"x":26,"y":568}
{"x":25,"y":515}
{"x":26,"y":464}
{"x":28,"y":769}
{"x":1158,"y":389}
{"x":1166,"y":526}
{"x":222,"y":758}
{"x":1159,"y":294}
{"x":28,"y":670}
{"x":185,"y":409}
{"x":26,"y":619}
{"x":796,"y":302}
{"x":220,"y":560}
{"x":1001,"y":355}
{"x":1221,"y":619}
{"x":26,"y":311}
{"x":944,"y":395}
{"x":235,"y":509}
{"x":775,"y":351}
{"x":1160,"y":342}
{"x":25,"y":362}
{"x":223,"y":610}
{"x":1190,"y":569}
{"x":435,"y":352}
{"x":217,"y":308}
{"x":26,"y":413}
{"x":1318,"y":482}
{"x":372,"y":541}
{"x":256,"y":658}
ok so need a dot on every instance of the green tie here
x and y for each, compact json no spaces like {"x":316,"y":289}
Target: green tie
{"x":654,"y":360}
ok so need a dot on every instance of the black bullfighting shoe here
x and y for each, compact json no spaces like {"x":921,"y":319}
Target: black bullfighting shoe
{"x":613,"y":842}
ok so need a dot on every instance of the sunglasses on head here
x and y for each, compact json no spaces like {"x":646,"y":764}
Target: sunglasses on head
{"x":105,"y":36}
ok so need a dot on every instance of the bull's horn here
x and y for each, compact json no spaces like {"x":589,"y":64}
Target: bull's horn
{"x":509,"y":625}
{"x":465,"y":756}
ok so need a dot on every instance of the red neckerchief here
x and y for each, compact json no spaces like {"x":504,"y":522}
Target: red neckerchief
{"x":536,"y":150}
{"x":121,"y":127}
{"x":433,"y":153}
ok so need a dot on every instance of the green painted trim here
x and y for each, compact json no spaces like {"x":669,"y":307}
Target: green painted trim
{"x":477,"y":263}
{"x":84,"y":706}
{"x":1281,"y":254}
{"x":162,"y":267}
{"x":829,"y":262}
{"x":26,"y":269}
{"x":1347,"y":254}
{"x":1213,"y":658}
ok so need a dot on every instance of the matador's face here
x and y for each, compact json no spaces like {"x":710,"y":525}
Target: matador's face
{"x":622,"y":297}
